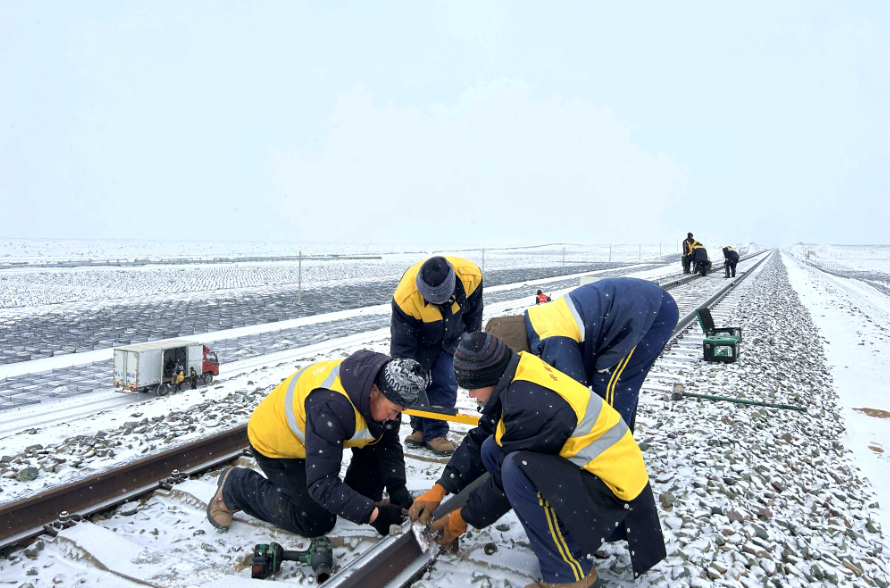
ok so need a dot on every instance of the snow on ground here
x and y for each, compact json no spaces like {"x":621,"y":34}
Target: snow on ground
{"x":863,"y":258}
{"x":747,"y":496}
{"x":35,"y":287}
{"x":855,"y":320}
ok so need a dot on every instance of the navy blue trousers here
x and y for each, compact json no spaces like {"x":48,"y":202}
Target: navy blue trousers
{"x":559,"y":556}
{"x":282,"y":497}
{"x":442,"y":391}
{"x":620,"y":385}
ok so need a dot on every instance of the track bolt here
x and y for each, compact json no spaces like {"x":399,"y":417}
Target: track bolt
{"x":490,"y":549}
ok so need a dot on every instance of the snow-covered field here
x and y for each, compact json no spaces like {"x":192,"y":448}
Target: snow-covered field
{"x":36,"y":287}
{"x":863,"y":258}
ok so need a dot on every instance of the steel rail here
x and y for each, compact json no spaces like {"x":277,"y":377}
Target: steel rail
{"x":714,"y":299}
{"x":24,"y":519}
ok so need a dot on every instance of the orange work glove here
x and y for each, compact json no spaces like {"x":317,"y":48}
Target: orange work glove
{"x":452,"y":527}
{"x":426,"y":503}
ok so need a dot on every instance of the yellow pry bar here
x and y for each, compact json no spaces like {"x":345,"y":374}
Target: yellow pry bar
{"x":454,"y":418}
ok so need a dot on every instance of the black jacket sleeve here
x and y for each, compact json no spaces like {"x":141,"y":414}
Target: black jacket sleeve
{"x":466,"y":463}
{"x":330,"y":419}
{"x":535,"y":419}
{"x":473,"y":316}
{"x":390,"y":457}
{"x":404,"y":333}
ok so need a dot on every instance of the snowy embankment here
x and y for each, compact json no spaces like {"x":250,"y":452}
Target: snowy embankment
{"x":855,"y":320}
{"x":861,"y":258}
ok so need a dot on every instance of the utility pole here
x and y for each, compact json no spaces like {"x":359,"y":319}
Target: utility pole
{"x":563,"y":257}
{"x":483,"y":264}
{"x":641,"y":253}
{"x":300,"y":279}
{"x":610,"y":253}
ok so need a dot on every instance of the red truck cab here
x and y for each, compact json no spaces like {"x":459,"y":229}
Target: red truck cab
{"x":211,"y":362}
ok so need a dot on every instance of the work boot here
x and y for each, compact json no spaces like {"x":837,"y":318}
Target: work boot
{"x":415,"y":439}
{"x":219,"y":515}
{"x":590,"y":581}
{"x":440,"y":446}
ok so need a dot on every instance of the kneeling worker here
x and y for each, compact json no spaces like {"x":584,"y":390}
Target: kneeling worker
{"x":730,"y":260}
{"x":605,"y":335}
{"x":297,"y":435}
{"x":558,"y":455}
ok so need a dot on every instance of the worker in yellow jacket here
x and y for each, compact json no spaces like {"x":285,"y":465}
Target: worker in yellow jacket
{"x":560,"y":457}
{"x":298,"y":433}
{"x":435,"y":303}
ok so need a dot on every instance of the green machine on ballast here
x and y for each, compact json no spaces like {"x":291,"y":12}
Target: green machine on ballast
{"x":720,"y":345}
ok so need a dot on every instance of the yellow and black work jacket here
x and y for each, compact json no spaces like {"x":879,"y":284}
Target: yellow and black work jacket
{"x":593,"y":327}
{"x":730,"y":254}
{"x":688,"y":244}
{"x":316,"y":413}
{"x":543,"y":416}
{"x":421,"y":330}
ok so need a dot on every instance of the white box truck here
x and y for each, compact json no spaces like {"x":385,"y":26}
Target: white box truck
{"x":148,"y":367}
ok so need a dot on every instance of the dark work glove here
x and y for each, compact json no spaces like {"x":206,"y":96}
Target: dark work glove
{"x":387,"y":515}
{"x":401,"y":497}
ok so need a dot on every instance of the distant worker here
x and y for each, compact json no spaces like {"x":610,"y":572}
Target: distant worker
{"x":730,"y":260}
{"x":688,"y":244}
{"x":178,"y":378}
{"x":298,"y":433}
{"x":193,"y":378}
{"x":541,"y":298}
{"x":435,"y":303}
{"x":558,"y":456}
{"x":605,"y":335}
{"x":700,"y":261}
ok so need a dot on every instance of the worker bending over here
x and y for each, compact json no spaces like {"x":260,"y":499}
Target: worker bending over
{"x":298,"y":433}
{"x":700,"y":261}
{"x":730,"y":260}
{"x":560,"y":457}
{"x":435,"y":303}
{"x":605,"y":335}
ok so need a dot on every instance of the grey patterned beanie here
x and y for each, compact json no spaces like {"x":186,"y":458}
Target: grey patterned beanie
{"x":436,"y":280}
{"x":402,"y":380}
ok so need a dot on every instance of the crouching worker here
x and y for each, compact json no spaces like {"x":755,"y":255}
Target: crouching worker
{"x":298,"y":433}
{"x":558,"y":455}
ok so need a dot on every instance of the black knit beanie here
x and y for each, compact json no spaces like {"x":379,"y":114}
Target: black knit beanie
{"x":435,"y":280}
{"x":480,"y":361}
{"x":402,"y":380}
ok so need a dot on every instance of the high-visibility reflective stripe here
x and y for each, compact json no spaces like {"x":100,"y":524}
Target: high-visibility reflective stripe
{"x":289,"y":406}
{"x":289,"y":400}
{"x":329,"y":381}
{"x":595,"y":449}
{"x":362,"y":434}
{"x":594,"y":407}
{"x":575,"y":314}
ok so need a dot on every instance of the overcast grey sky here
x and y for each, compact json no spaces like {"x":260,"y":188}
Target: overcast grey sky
{"x":482,"y":122}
